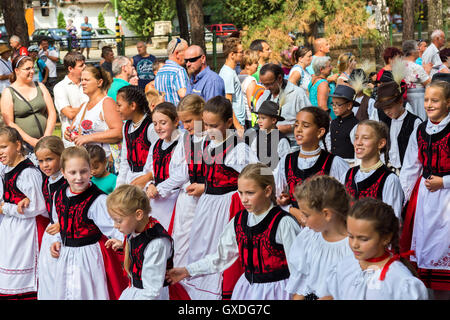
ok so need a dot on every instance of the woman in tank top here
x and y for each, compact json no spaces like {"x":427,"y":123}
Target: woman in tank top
{"x":27,"y":106}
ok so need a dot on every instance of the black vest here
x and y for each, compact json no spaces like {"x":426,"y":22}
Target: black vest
{"x":341,"y":144}
{"x":48,"y":190}
{"x":137,"y":249}
{"x":137,"y":144}
{"x":161,"y":160}
{"x":11,"y":192}
{"x":371,"y":187}
{"x":405,"y":131}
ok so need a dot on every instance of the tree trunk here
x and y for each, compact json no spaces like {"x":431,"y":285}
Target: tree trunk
{"x":195,"y":12}
{"x":14,"y":15}
{"x":182,"y":19}
{"x":408,"y":19}
{"x":382,"y":23}
{"x":435,"y":20}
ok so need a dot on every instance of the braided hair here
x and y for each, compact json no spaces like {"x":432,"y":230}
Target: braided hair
{"x":321,"y":119}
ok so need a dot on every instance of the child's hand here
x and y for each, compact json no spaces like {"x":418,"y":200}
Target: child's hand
{"x":152,"y":192}
{"x":55,"y":249}
{"x":283,"y":199}
{"x":176,"y":274}
{"x":114,"y":244}
{"x":434,"y":183}
{"x":24,"y":203}
{"x":53,"y":229}
{"x":1,"y":207}
{"x":195,"y":189}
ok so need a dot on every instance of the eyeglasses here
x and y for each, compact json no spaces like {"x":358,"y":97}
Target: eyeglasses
{"x":178,"y":41}
{"x":191,"y":60}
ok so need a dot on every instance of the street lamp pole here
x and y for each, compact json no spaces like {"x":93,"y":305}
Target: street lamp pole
{"x":118,"y":38}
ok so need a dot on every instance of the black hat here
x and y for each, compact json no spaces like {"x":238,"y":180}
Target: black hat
{"x":270,"y":108}
{"x":345,"y":92}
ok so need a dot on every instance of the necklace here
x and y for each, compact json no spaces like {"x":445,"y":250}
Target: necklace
{"x":374,"y":167}
{"x":310,"y":153}
{"x":137,"y":124}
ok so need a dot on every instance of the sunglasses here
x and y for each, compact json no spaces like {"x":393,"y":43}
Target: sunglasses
{"x":191,"y":60}
{"x":178,"y":41}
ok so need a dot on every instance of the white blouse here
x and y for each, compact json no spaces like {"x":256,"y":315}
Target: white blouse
{"x":347,"y":281}
{"x":412,"y":167}
{"x":228,"y":250}
{"x":311,"y":258}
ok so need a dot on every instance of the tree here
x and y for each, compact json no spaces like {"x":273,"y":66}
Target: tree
{"x":435,"y":20}
{"x":101,"y":20}
{"x":182,"y":19}
{"x":382,"y":23}
{"x":196,"y":18}
{"x":14,"y":16}
{"x":61,"y":20}
{"x":141,"y":15}
{"x":408,"y":19}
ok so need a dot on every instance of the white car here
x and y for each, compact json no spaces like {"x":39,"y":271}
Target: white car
{"x":103,"y":37}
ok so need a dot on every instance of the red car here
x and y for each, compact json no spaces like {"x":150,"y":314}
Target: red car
{"x":223,"y":30}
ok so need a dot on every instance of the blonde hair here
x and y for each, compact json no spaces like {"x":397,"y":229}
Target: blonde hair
{"x":320,"y":192}
{"x":124,"y":201}
{"x":262,"y":175}
{"x":344,"y":61}
{"x":250,"y":57}
{"x":154,"y":97}
{"x":382,"y":132}
{"x":192,"y":103}
{"x":74,"y":152}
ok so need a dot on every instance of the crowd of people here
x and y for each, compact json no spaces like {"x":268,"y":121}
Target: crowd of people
{"x":304,"y":180}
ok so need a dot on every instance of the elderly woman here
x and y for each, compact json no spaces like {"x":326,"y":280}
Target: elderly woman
{"x":319,"y":88}
{"x":416,"y":78}
{"x":26,"y":105}
{"x":98,"y":121}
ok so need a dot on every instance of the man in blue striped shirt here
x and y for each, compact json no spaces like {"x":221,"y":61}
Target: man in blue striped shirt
{"x":172,"y":78}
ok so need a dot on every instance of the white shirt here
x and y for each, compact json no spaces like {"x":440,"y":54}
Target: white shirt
{"x":5,"y":68}
{"x":228,"y":250}
{"x":311,"y":257}
{"x":415,"y":75}
{"x":48,"y":62}
{"x":68,"y":94}
{"x":431,"y":54}
{"x":347,"y":281}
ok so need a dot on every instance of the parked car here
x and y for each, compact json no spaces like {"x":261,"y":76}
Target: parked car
{"x":3,"y":34}
{"x":103,"y":37}
{"x":59,"y":36}
{"x":223,"y":30}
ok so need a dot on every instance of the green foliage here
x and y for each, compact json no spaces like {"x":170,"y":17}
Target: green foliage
{"x":141,"y":15}
{"x":101,"y":20}
{"x":61,"y":21}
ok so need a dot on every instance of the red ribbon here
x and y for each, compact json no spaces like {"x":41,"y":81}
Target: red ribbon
{"x":395,"y":258}
{"x":378,"y":259}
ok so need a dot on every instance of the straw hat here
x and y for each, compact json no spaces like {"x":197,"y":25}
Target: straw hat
{"x":4,"y":48}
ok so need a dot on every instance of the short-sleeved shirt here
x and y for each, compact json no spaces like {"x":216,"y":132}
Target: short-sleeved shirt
{"x":415,"y":75}
{"x":431,"y":54}
{"x":233,"y":87}
{"x":171,"y":78}
{"x":39,"y":67}
{"x":86,"y":33}
{"x":106,"y":184}
{"x":144,"y":69}
{"x":67,"y":93}
{"x":206,"y":84}
{"x":115,"y":86}
{"x":51,"y":65}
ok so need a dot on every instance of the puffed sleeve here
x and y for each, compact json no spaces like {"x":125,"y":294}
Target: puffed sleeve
{"x":284,"y":147}
{"x":393,"y":194}
{"x":412,"y":167}
{"x":339,"y":168}
{"x":279,"y":176}
{"x":124,"y":167}
{"x":411,"y":288}
{"x":30,"y":183}
{"x":99,"y":213}
{"x":298,"y":267}
{"x":154,"y":268}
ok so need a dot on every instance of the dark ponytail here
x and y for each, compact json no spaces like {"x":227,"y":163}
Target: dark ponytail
{"x":135,"y":94}
{"x":321,"y":119}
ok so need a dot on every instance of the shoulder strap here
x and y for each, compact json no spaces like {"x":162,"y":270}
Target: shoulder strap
{"x":31,"y":108}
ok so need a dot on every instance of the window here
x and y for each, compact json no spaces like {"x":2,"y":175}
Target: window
{"x":45,"y":11}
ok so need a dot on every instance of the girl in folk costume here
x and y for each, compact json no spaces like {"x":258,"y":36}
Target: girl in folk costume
{"x":86,"y":269}
{"x":224,"y":157}
{"x":138,"y":133}
{"x":324,"y":204}
{"x":260,"y":235}
{"x":190,"y":111}
{"x":161,"y":163}
{"x":48,"y":152}
{"x":373,"y":272}
{"x":373,"y":178}
{"x":425,"y":178}
{"x":148,"y":247}
{"x":20,"y":233}
{"x":311,"y":126}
